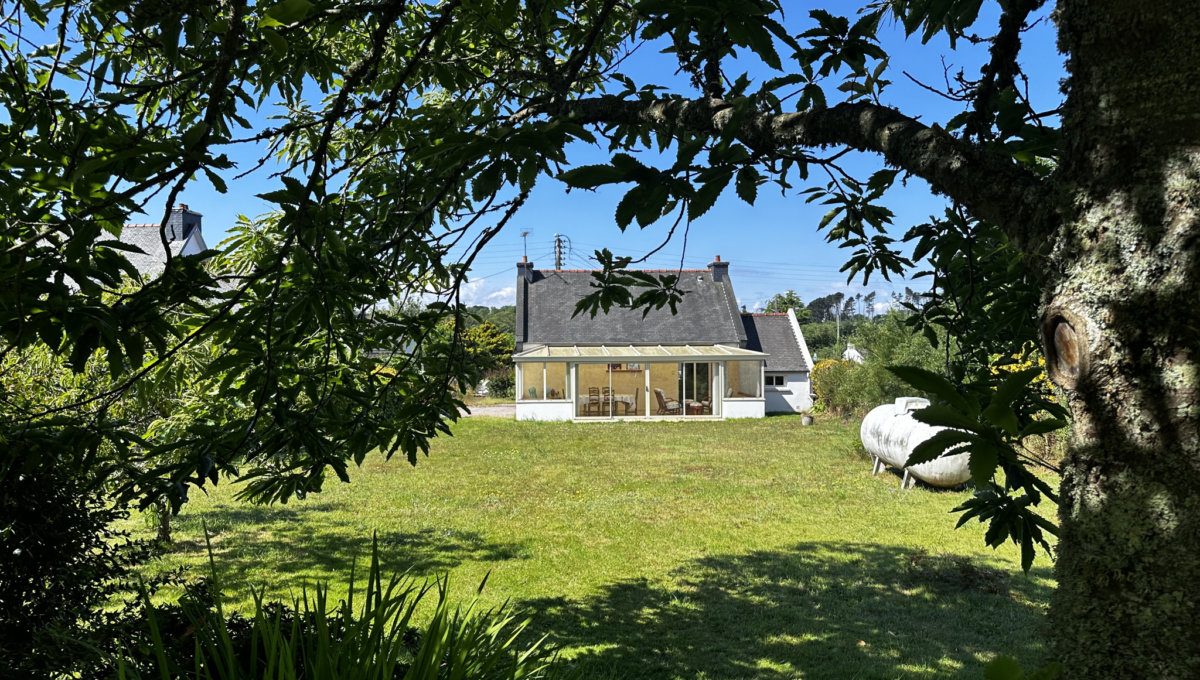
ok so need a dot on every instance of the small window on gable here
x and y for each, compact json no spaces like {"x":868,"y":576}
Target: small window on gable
{"x":775,"y":381}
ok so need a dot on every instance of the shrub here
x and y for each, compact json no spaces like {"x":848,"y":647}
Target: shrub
{"x":828,"y":378}
{"x":60,"y":562}
{"x":309,"y":639}
{"x":844,"y":387}
{"x":501,"y":383}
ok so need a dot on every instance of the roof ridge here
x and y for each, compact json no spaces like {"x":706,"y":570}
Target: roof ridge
{"x":593,"y":271}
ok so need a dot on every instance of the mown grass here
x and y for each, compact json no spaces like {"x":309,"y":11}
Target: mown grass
{"x":737,"y":549}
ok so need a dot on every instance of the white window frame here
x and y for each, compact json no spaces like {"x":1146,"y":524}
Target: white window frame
{"x":522,"y":387}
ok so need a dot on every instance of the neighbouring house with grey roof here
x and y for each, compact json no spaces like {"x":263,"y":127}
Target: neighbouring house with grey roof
{"x":183,"y":234}
{"x":703,"y":362}
{"x":786,"y":383}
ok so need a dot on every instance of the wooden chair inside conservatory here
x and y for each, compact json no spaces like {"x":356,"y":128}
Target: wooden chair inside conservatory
{"x":593,"y":404}
{"x":666,"y":407}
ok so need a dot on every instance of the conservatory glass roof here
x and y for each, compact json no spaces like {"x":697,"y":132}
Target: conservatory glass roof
{"x":634,"y":353}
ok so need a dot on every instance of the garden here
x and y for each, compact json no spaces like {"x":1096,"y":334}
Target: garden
{"x":736,"y":549}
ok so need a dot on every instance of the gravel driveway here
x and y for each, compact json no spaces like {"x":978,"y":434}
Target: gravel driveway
{"x":497,"y":411}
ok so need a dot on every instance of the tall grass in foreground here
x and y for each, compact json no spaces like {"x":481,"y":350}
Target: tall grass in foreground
{"x":311,"y":640}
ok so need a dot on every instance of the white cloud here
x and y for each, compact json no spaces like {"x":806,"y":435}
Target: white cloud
{"x":481,"y":293}
{"x":502,"y":297}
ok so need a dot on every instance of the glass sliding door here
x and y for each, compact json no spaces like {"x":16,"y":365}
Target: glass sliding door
{"x":664,"y":389}
{"x":697,"y":385}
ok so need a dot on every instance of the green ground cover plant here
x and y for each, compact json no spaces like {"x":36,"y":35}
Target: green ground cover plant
{"x":737,"y":549}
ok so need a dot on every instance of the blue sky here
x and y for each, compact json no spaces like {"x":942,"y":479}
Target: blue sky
{"x":772,"y":246}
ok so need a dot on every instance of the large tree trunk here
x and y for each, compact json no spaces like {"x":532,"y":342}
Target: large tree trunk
{"x":1121,"y":328}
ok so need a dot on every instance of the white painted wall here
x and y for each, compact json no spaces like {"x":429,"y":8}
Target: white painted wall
{"x":795,"y":395}
{"x":544,"y":410}
{"x":195,"y":244}
{"x":745,"y":408}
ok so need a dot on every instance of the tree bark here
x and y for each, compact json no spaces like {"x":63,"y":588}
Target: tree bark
{"x":164,"y":522}
{"x":1120,"y":327}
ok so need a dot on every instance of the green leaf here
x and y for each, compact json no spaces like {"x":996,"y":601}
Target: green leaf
{"x":289,"y":11}
{"x":487,"y":183}
{"x":748,"y":180}
{"x":217,"y":182}
{"x":984,"y":460}
{"x":1014,"y":384}
{"x":278,"y":43}
{"x":592,"y":176}
{"x":1003,"y":668}
{"x":948,"y":442}
{"x":194,"y":134}
{"x":1001,"y":415}
{"x":945,"y":416}
{"x":705,"y":197}
{"x":629,"y":204}
{"x":651,"y":207}
{"x":934,"y":384}
{"x":1042,"y":427}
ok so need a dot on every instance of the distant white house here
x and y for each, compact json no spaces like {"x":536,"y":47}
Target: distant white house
{"x":852,"y":354}
{"x":707,"y":361}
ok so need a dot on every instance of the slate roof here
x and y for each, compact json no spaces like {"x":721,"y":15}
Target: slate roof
{"x":708,"y":313}
{"x":773,"y":334}
{"x":151,"y":260}
{"x":182,"y":224}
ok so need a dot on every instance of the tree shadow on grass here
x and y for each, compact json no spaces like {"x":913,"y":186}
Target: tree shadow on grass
{"x":312,"y":539}
{"x":817,"y":610}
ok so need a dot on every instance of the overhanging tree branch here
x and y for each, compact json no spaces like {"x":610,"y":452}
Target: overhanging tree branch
{"x":1001,"y":71}
{"x":987,"y":182}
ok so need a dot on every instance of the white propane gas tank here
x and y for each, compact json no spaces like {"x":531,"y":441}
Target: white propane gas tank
{"x":890,"y":434}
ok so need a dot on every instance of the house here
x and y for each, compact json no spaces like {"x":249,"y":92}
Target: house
{"x":786,"y":383}
{"x":852,"y":354}
{"x":183,"y":238}
{"x":702,"y":362}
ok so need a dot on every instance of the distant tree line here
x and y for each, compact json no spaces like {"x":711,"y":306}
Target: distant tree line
{"x":829,"y":320}
{"x":503,"y":318}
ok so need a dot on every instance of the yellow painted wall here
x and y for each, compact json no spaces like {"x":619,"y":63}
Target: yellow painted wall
{"x":531,"y":377}
{"x":556,"y":379}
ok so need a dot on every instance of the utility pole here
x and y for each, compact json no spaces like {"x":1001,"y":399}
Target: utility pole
{"x":557,"y":251}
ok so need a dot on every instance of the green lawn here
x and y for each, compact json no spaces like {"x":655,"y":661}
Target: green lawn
{"x":739,"y":549}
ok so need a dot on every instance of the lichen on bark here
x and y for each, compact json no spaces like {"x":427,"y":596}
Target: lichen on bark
{"x":1126,"y":260}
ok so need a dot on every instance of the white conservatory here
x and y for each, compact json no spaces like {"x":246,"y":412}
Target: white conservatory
{"x":605,"y":382}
